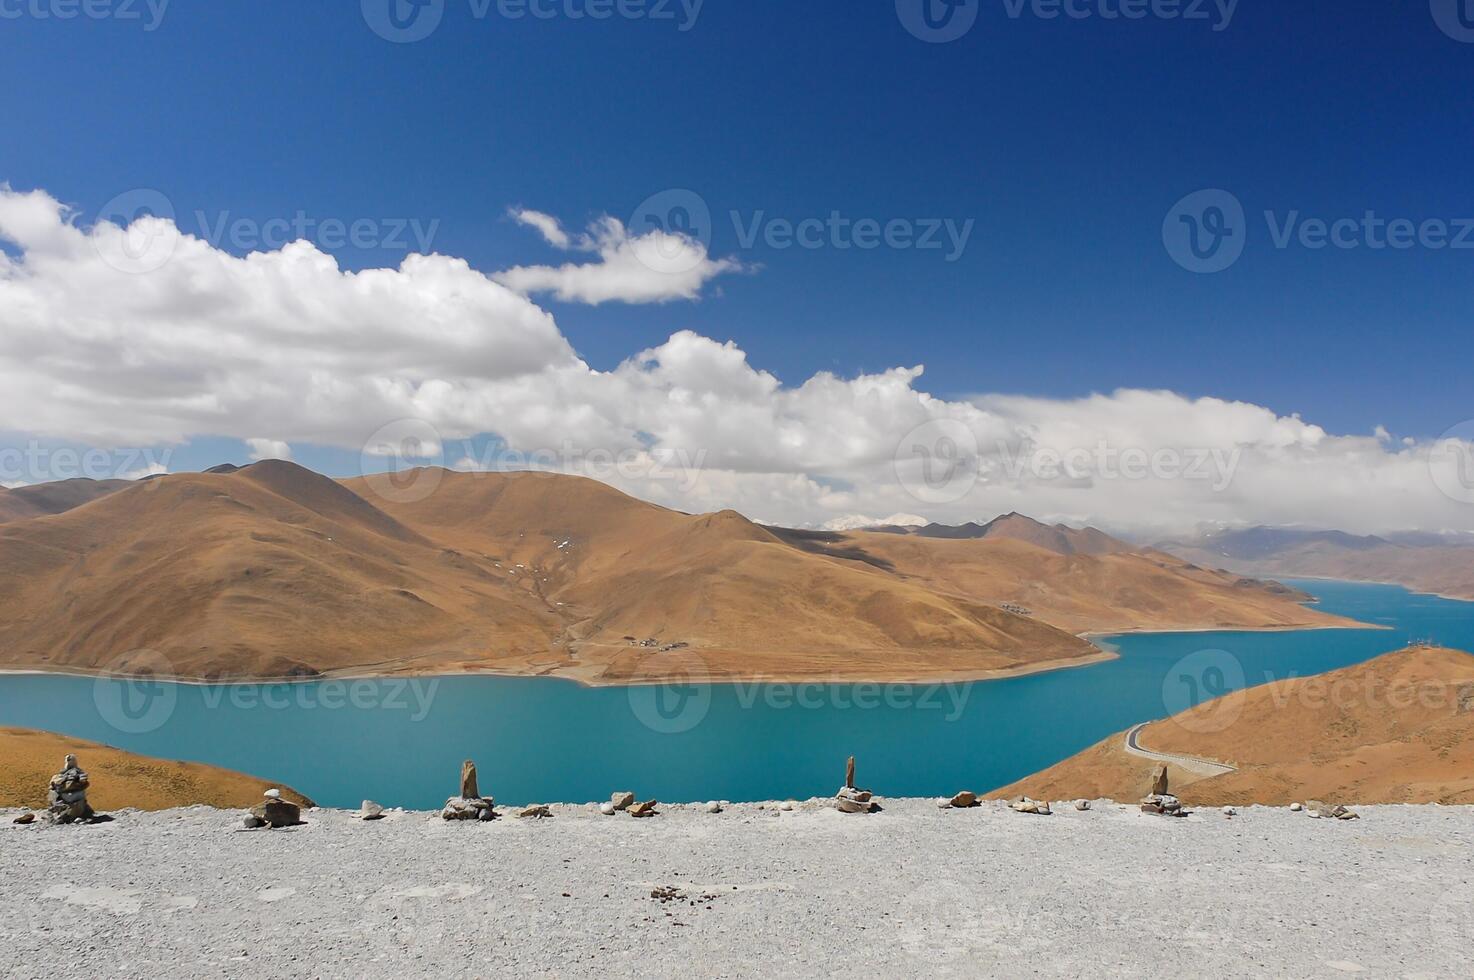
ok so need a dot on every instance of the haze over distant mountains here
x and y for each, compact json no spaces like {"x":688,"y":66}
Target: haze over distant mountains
{"x":273,"y":570}
{"x":1424,"y":562}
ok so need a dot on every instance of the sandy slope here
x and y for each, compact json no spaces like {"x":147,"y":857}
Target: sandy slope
{"x":28,"y":760}
{"x":912,"y":891}
{"x":273,"y":570}
{"x":1396,"y":729}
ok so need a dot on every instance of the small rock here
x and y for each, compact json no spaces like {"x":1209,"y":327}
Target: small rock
{"x":371,"y":811}
{"x":253,"y":822}
{"x":537,"y":812}
{"x":646,"y":809}
{"x":275,"y":813}
{"x":964,"y":800}
{"x":786,"y":805}
{"x":25,"y":818}
{"x":1082,"y":804}
{"x":623,"y":800}
{"x":1159,"y":782}
{"x":1024,"y":804}
{"x":713,"y":806}
{"x":607,"y":809}
{"x":272,"y":794}
{"x":1296,"y":807}
{"x":1229,"y":811}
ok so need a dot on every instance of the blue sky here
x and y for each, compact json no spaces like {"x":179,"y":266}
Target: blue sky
{"x":1065,"y":141}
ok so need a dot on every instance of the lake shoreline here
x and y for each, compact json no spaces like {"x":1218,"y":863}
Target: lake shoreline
{"x":354,"y":674}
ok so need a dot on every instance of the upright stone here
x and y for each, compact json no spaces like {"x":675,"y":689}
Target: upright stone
{"x":849,"y":774}
{"x":1159,"y":782}
{"x":469,"y":791}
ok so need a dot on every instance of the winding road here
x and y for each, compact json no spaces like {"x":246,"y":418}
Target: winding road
{"x":1202,"y":767}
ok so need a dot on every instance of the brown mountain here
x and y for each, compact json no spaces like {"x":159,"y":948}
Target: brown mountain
{"x":121,"y":779}
{"x":1059,"y":538}
{"x":272,"y":570}
{"x":41,"y":499}
{"x":1108,"y":588}
{"x":1397,"y":729}
{"x":744,"y":601}
{"x":1441,"y":564}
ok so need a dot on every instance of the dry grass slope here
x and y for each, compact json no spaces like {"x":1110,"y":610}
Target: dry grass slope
{"x":120,"y":779}
{"x":1396,"y":729}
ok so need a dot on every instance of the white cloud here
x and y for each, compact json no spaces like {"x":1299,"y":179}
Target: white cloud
{"x":286,"y":342}
{"x":858,"y":522}
{"x":546,"y":225}
{"x":656,"y":267}
{"x":268,"y":449}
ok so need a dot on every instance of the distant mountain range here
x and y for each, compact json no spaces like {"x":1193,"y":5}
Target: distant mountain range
{"x":271,"y":570}
{"x":1438,"y":563}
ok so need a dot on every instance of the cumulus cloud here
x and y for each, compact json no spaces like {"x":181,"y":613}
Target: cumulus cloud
{"x":260,"y":449}
{"x":440,"y":356}
{"x":656,"y":267}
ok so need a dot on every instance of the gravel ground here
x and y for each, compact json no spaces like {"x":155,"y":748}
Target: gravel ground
{"x":913,"y":890}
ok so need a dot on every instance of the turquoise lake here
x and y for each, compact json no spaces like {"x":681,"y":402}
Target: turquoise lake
{"x":537,"y":739}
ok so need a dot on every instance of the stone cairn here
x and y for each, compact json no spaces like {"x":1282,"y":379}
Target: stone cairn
{"x":274,"y":812}
{"x":851,"y":800}
{"x":1159,"y":801}
{"x":470,"y":805}
{"x":66,"y":800}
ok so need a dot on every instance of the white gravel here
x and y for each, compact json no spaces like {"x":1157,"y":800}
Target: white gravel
{"x":913,"y":890}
